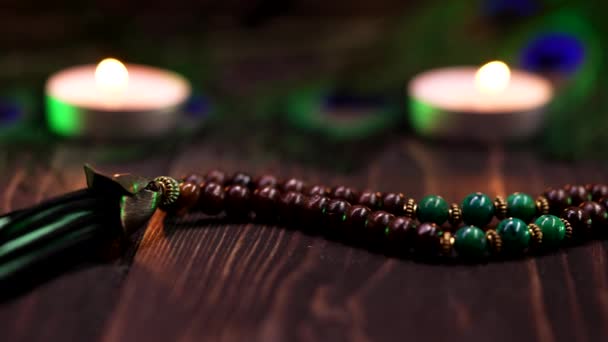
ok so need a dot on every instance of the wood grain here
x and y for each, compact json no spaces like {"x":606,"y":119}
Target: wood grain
{"x":201,"y":280}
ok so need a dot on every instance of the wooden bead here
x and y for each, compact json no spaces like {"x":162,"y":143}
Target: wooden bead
{"x":597,"y":213}
{"x":318,"y":190}
{"x":265,"y":181}
{"x":194,"y":178}
{"x":378,"y":221}
{"x":393,"y":203}
{"x":290,"y":206}
{"x":335,"y":213}
{"x":402,"y":232}
{"x":216,"y":176}
{"x":579,"y":220}
{"x":603,"y":202}
{"x":265,"y":202}
{"x":428,"y":239}
{"x":370,"y":199}
{"x":558,"y":200}
{"x":314,"y":208}
{"x":188,"y":198}
{"x":345,"y":193}
{"x":242,"y":179}
{"x":293,"y":184}
{"x":597,"y":191}
{"x":237,"y":201}
{"x":211,"y":199}
{"x":577,"y":193}
{"x":356,"y":216}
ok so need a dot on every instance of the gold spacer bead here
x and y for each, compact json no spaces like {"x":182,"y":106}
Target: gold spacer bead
{"x":536,"y":233}
{"x":542,"y":205}
{"x":170,"y":190}
{"x":455,"y":215}
{"x":494,"y":240}
{"x":447,"y":243}
{"x":500,"y":205}
{"x":569,"y":230}
{"x":410,"y":208}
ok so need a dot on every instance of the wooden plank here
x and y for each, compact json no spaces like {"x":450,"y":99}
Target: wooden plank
{"x":200,"y":279}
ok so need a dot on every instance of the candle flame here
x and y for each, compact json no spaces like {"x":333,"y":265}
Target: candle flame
{"x":492,"y":77}
{"x":111,"y":76}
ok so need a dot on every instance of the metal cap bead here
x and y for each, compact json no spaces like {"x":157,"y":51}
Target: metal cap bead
{"x":500,"y":207}
{"x":542,"y":205}
{"x":536,"y":234}
{"x":494,"y":240}
{"x":410,"y":208}
{"x":569,"y":230}
{"x":170,"y":190}
{"x":455,"y":214}
{"x":447,"y":243}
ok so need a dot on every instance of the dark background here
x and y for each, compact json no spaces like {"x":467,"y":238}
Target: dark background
{"x":192,"y":281}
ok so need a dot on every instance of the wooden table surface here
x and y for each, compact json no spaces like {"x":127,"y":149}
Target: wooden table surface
{"x":193,"y":281}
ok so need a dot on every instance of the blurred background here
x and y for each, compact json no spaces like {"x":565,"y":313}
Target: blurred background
{"x":277,"y":75}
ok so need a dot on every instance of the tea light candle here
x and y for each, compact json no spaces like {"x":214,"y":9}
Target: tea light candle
{"x":489,"y":103}
{"x":114,"y":101}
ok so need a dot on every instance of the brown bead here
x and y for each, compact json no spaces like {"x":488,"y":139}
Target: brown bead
{"x":216,"y":176}
{"x":579,"y":220}
{"x":345,"y":193}
{"x":370,"y":199}
{"x":194,"y":178}
{"x":265,"y":202}
{"x":603,"y":202}
{"x":428,"y":239}
{"x":558,"y":200}
{"x":313,"y":209}
{"x":356,"y":216}
{"x":597,"y":191}
{"x":320,"y":190}
{"x":266,"y":180}
{"x":378,"y":221}
{"x":242,"y":179}
{"x":293,"y":184}
{"x":402,"y":232}
{"x":188,"y":198}
{"x":335,"y":213}
{"x":597,"y":213}
{"x":290,"y":206}
{"x":578,"y":193}
{"x":237,"y":200}
{"x":211,"y":199}
{"x":393,"y":203}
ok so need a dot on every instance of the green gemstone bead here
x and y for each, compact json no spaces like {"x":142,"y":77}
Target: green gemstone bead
{"x":434,"y":209}
{"x":521,"y":206}
{"x":515,"y":235}
{"x":477,"y":209}
{"x":554,"y":230}
{"x":470,"y":242}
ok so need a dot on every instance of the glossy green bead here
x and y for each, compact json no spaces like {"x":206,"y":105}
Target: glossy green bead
{"x":433,"y":208}
{"x":470,"y":242}
{"x":521,"y":206}
{"x":477,"y":209}
{"x":554,"y":230}
{"x":515,"y":235}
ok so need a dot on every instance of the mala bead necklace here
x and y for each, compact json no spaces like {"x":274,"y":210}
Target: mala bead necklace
{"x":429,"y":227}
{"x":478,"y":228}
